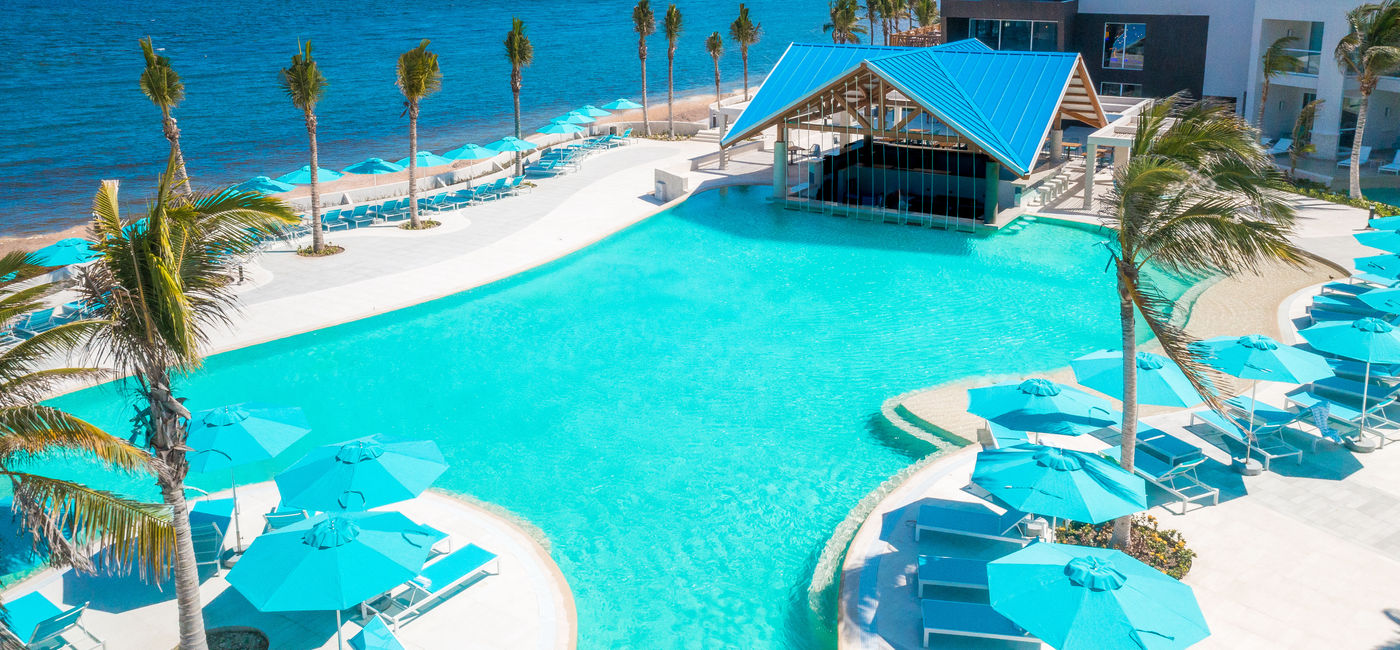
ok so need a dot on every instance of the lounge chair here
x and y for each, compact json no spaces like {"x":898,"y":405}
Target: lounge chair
{"x":1281,"y":147}
{"x":436,"y":579}
{"x":1365,"y":157}
{"x":974,"y":620}
{"x":360,"y":216}
{"x":1165,"y":446}
{"x":1377,"y":422}
{"x":1320,"y":416}
{"x":1346,"y":304}
{"x":1267,"y":417}
{"x":394,"y":210}
{"x":375,"y":635}
{"x":1351,"y":389}
{"x":971,"y":520}
{"x":1392,"y":167}
{"x":36,"y":622}
{"x":208,"y":541}
{"x":35,"y":322}
{"x":944,"y":571}
{"x":1179,"y":480}
{"x":333,"y":220}
{"x":514,"y":186}
{"x":1345,"y":288}
{"x":1268,"y":445}
{"x":1001,"y":437}
{"x":279,"y":517}
{"x":1357,"y":370}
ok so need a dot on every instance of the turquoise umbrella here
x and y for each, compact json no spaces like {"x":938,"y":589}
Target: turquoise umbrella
{"x":331,"y":561}
{"x":1386,"y":240}
{"x":73,"y":250}
{"x":427,"y":159}
{"x":1079,"y":597}
{"x":593,"y":111}
{"x":1384,"y":300}
{"x":510,"y":143}
{"x":471,"y":152}
{"x":1159,"y":380}
{"x":361,"y":474}
{"x":373,"y":166}
{"x":1060,"y":483}
{"x":560,"y":128}
{"x":264,"y":185}
{"x":621,"y":105}
{"x":303,"y":176}
{"x":239,"y":434}
{"x":1385,"y":223}
{"x":574,"y":117}
{"x":1386,"y":266}
{"x":1042,"y":406}
{"x":1371,"y":340}
{"x":375,"y":635}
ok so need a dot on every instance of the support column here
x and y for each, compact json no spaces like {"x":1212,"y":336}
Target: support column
{"x":1120,"y":157}
{"x":989,"y":215}
{"x":1057,"y":141}
{"x":780,"y":168}
{"x":1091,"y":154}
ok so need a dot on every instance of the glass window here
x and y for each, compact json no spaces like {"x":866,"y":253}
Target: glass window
{"x":1115,"y":89}
{"x":1123,"y":45}
{"x":987,"y":31}
{"x":1045,"y":37}
{"x":1015,"y":35}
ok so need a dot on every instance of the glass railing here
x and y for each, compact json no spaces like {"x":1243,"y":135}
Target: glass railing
{"x":1311,"y":60}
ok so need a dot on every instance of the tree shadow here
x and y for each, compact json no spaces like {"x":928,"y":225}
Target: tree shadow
{"x":1394,"y":616}
{"x":285,"y":630}
{"x":121,"y":592}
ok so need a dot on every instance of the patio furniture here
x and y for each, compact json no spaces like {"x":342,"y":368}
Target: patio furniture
{"x":436,"y":580}
{"x":280,"y":517}
{"x":37,"y":622}
{"x":971,"y":520}
{"x":1281,"y":147}
{"x":944,"y":571}
{"x":1002,"y":437}
{"x":208,"y":541}
{"x":1392,"y":167}
{"x":1365,"y":157}
{"x":1353,"y":389}
{"x":34,"y":322}
{"x":1350,"y":415}
{"x":975,"y":620}
{"x":1343,"y":303}
{"x":1356,"y":370}
{"x":1269,"y":443}
{"x":1320,"y":415}
{"x":1177,"y":479}
{"x":375,"y":635}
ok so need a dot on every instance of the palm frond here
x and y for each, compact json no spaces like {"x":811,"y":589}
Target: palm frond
{"x":714,"y":45}
{"x":1156,"y":309}
{"x":159,"y":81}
{"x":302,"y":80}
{"x":672,"y":24}
{"x":643,"y":19}
{"x":37,"y":430}
{"x":519,"y":51}
{"x":69,"y":520}
{"x":418,"y":73}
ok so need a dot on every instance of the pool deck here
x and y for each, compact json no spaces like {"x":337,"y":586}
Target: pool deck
{"x":1304,"y":556}
{"x":526,"y":605}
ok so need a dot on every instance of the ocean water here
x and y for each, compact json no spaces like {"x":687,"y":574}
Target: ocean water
{"x":688,"y":429}
{"x":74,"y":114}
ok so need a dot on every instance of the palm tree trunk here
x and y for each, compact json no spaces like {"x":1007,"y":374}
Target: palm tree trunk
{"x":413,"y":165}
{"x":744,"y":54}
{"x":186,"y":571}
{"x":1263,"y":102}
{"x":718,"y":96}
{"x":317,"y":239}
{"x":1355,"y":170}
{"x":172,"y":134}
{"x":1123,"y":526}
{"x":671,"y":92}
{"x":515,"y":92}
{"x":646,"y":121}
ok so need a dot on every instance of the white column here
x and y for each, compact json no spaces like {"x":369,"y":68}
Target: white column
{"x":1091,"y":152}
{"x":780,"y":168}
{"x":1057,"y":140}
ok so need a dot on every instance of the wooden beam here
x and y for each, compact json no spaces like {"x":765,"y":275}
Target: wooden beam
{"x":1087,"y":119}
{"x":854,"y":114}
{"x":908,"y":118}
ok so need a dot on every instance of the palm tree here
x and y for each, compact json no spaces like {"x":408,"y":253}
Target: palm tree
{"x":163,"y":287}
{"x":925,"y":10}
{"x":644,"y":21}
{"x":746,"y":33}
{"x":63,"y":516}
{"x":305,"y":85}
{"x":1370,"y":51}
{"x":671,"y":24}
{"x":419,"y":76}
{"x":1302,"y":135}
{"x":872,"y":11}
{"x":520,"y":53}
{"x":162,"y":85}
{"x":1194,"y":197}
{"x":714,"y":45}
{"x":845,"y":24}
{"x":1276,"y":61}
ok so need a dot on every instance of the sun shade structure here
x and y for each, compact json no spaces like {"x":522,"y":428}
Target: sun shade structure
{"x":1160,"y":382}
{"x":1370,"y":340}
{"x":303,"y":176}
{"x":1060,"y":483}
{"x":1042,"y":406}
{"x":574,"y":117}
{"x":1386,"y":266}
{"x":510,"y":143}
{"x":471,"y":152}
{"x":622,"y":104}
{"x":593,"y":111}
{"x":1385,"y":223}
{"x":360,"y":474}
{"x":375,"y":635}
{"x":373,"y":166}
{"x":1384,"y":300}
{"x":264,"y":185}
{"x":73,"y":250}
{"x":560,"y":128}
{"x":1081,"y":598}
{"x":426,"y":159}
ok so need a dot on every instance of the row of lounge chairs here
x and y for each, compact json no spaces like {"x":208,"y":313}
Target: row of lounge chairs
{"x":565,"y":158}
{"x":27,"y":326}
{"x":397,"y":209}
{"x":1282,"y":145}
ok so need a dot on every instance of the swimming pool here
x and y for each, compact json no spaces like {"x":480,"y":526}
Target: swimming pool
{"x":688,"y":408}
{"x":1388,"y":195}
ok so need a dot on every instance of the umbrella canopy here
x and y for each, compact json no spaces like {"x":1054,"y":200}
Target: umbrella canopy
{"x":1386,"y":240}
{"x":264,"y":185}
{"x":303,"y":176}
{"x":375,"y":635}
{"x":374,"y":166}
{"x":73,"y":250}
{"x":229,"y":436}
{"x":471,"y":152}
{"x":560,"y":128}
{"x":1081,"y":597}
{"x":1383,"y":265}
{"x":621,"y":105}
{"x":1159,"y":380}
{"x":1384,"y":300}
{"x":1040,"y":405}
{"x":1385,"y":223}
{"x":1259,"y":357}
{"x":1060,"y":483}
{"x":361,"y":474}
{"x":330,"y":561}
{"x":510,"y":143}
{"x":574,"y":117}
{"x":426,"y":159}
{"x":1367,"y":339}
{"x":593,"y":111}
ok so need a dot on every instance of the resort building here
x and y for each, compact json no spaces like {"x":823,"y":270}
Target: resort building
{"x":942,"y":136}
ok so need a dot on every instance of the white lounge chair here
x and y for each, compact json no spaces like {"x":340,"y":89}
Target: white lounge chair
{"x":34,"y":621}
{"x":958,"y":572}
{"x":970,"y":520}
{"x":1268,"y":444}
{"x":435,"y":581}
{"x":1393,"y":167}
{"x":1178,"y":480}
{"x":1365,"y":158}
{"x":1281,"y":147}
{"x":975,"y":620}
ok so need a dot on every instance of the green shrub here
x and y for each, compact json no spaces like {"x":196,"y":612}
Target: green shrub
{"x":1319,"y":191}
{"x":1164,"y":550}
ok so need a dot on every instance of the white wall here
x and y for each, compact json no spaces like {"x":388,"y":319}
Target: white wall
{"x":1269,"y":17}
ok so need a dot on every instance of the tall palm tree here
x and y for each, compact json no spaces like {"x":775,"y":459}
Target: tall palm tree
{"x":671,"y":25}
{"x":520,"y":53}
{"x":872,"y":12}
{"x":1193,"y":197}
{"x":925,"y":10}
{"x":1370,"y":51}
{"x":163,"y":287}
{"x":162,"y":85}
{"x":745,"y":33}
{"x":845,"y":24}
{"x":1302,"y":135}
{"x":305,"y":85}
{"x":644,"y":21}
{"x":418,"y":77}
{"x":64,"y":516}
{"x":1276,"y":61}
{"x":714,"y":45}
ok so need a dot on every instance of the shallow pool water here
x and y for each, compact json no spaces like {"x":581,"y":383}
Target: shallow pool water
{"x":688,"y":408}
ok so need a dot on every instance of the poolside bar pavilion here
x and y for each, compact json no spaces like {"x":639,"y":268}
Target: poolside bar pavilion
{"x":936,"y":136}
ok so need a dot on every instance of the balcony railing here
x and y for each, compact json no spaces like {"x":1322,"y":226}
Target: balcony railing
{"x":1311,"y":60}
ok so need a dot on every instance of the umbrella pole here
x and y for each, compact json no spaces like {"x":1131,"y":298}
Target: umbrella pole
{"x":1249,"y":442}
{"x":237,"y":532}
{"x":1365,"y":389}
{"x":339,"y":642}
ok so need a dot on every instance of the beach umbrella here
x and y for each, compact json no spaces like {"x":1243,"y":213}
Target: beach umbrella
{"x":471,"y":152}
{"x":73,"y":250}
{"x":331,"y":562}
{"x":1386,"y":240}
{"x":1042,"y":406}
{"x":621,"y":105}
{"x":427,"y":159}
{"x":560,"y":128}
{"x":510,"y":143}
{"x":373,"y":166}
{"x":264,"y":185}
{"x":1060,"y":483}
{"x":360,"y":474}
{"x":1386,"y":266}
{"x":1159,"y":380}
{"x":1370,"y":340}
{"x":375,"y":635}
{"x":593,"y":111}
{"x":574,"y":117}
{"x":303,"y":176}
{"x":1080,"y":597}
{"x":1383,"y":300}
{"x":1385,"y":223}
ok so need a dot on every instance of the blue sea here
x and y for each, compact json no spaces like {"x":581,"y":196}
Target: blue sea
{"x":73,"y":113}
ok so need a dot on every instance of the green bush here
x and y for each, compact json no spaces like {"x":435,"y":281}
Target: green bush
{"x":1319,"y":191}
{"x":1164,"y":550}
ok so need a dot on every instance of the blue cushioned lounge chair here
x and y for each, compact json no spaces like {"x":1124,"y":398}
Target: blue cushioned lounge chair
{"x":1178,"y":480}
{"x":436,"y":580}
{"x":1352,"y":389}
{"x":1003,"y":437}
{"x":970,"y":520}
{"x":36,"y":321}
{"x":36,"y":622}
{"x":943,"y":571}
{"x":1377,"y":422}
{"x":976,"y":620}
{"x":280,"y":517}
{"x":1268,"y":445}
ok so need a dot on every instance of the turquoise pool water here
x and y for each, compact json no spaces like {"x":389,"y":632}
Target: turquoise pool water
{"x":687,"y":408}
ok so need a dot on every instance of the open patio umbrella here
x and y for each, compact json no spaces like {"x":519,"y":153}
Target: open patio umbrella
{"x":1370,"y":340}
{"x":1159,"y":380}
{"x":375,"y":635}
{"x":1386,"y":240}
{"x":330,"y":562}
{"x":593,"y":111}
{"x":426,"y":159}
{"x":73,"y":250}
{"x":303,"y":176}
{"x":471,"y":152}
{"x":621,"y":105}
{"x":560,"y":128}
{"x":1385,"y":223}
{"x":1079,"y":597}
{"x":1060,"y":483}
{"x":1386,"y":266}
{"x":1042,"y":406}
{"x":1383,"y":300}
{"x":375,"y":167}
{"x":264,"y":185}
{"x":511,"y":143}
{"x":361,"y":474}
{"x":574,"y":117}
